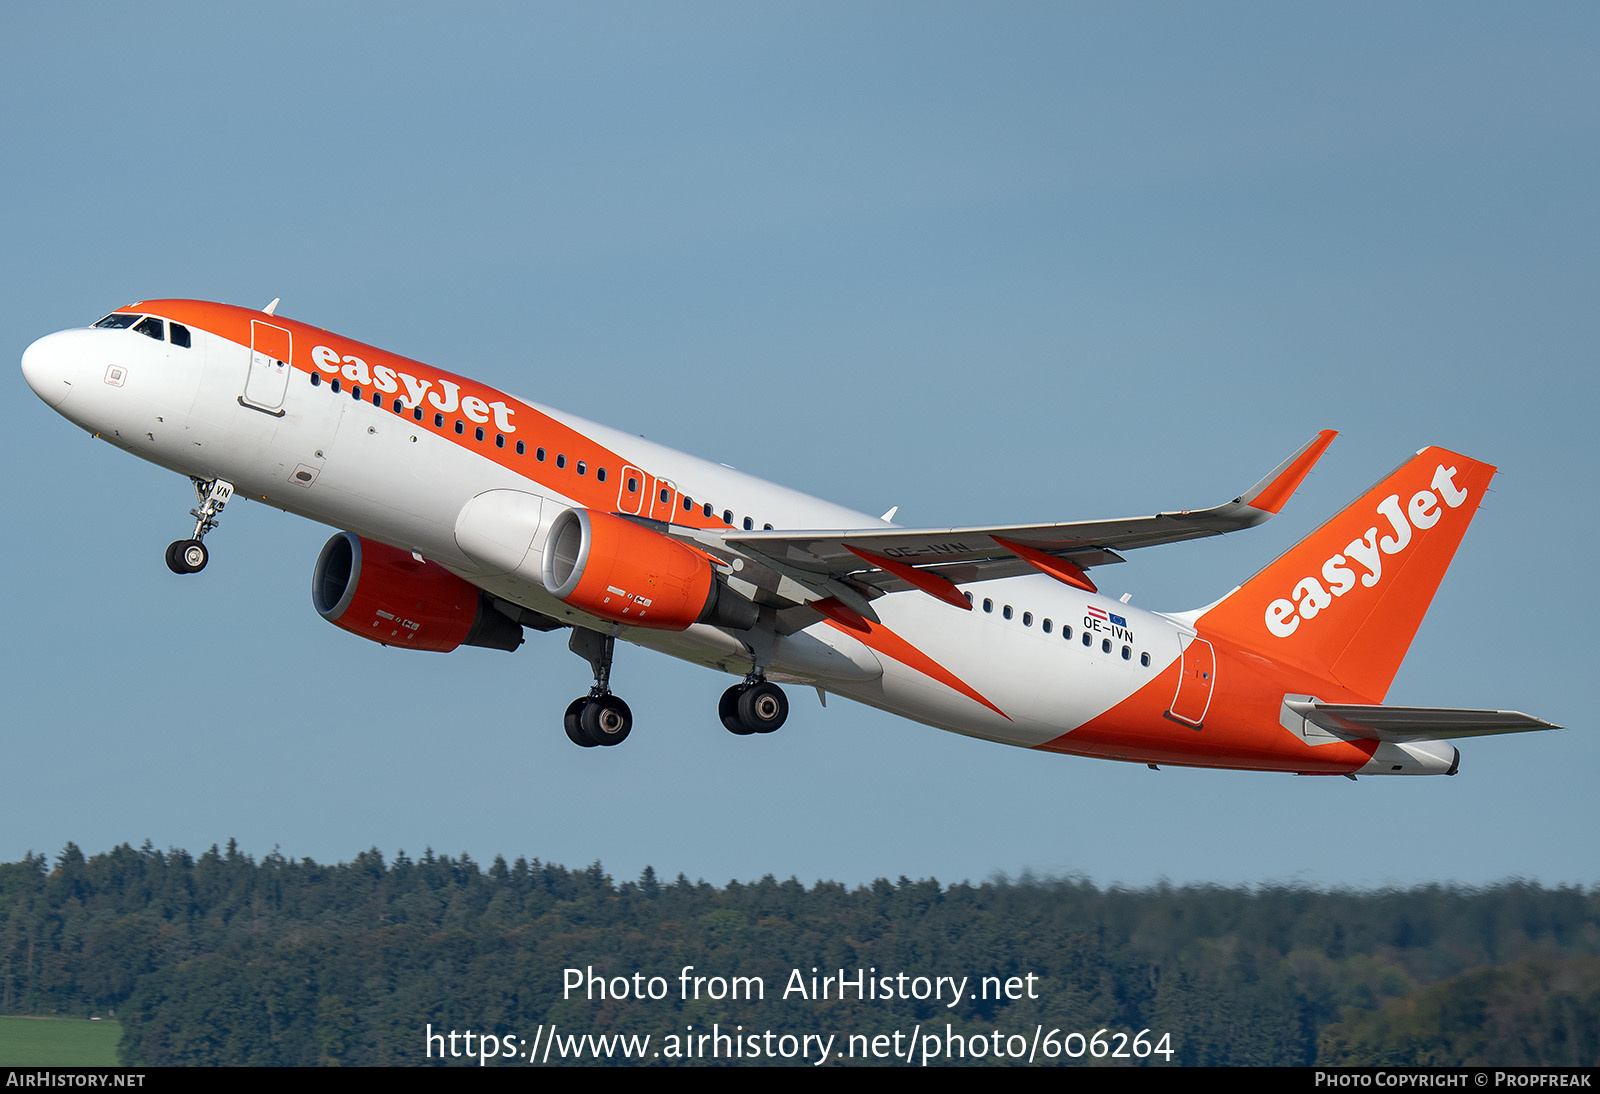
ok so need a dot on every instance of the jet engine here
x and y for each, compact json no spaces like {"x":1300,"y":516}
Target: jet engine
{"x":390,"y":597}
{"x":616,"y":569}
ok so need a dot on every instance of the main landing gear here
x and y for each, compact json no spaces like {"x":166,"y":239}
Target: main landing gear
{"x":598,"y":718}
{"x":755,"y":706}
{"x":189,"y":556}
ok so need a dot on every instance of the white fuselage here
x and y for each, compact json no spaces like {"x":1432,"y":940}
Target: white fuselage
{"x":387,"y":477}
{"x":433,"y":467}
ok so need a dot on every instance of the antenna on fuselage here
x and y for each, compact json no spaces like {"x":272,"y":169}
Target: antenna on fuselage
{"x":272,"y":307}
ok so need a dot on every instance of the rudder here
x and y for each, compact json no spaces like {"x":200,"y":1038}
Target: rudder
{"x":1346,"y":601}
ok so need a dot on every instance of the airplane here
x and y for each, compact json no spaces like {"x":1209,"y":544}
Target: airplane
{"x":468,"y":516}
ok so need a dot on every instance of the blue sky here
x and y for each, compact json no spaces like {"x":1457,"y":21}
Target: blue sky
{"x":1031,"y":262}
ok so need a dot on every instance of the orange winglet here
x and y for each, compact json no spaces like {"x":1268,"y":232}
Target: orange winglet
{"x":1058,"y":568}
{"x":841,"y":613}
{"x":932,"y":584}
{"x":1270,"y":497}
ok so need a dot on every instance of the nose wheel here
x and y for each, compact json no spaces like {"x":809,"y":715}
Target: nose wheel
{"x":189,"y":556}
{"x":755,"y":706}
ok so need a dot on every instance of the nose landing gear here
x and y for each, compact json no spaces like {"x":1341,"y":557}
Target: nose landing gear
{"x":189,"y":556}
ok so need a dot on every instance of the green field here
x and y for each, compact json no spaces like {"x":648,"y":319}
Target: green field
{"x":58,"y":1042}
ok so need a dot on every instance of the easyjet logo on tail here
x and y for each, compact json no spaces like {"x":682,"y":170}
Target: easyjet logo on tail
{"x":1311,"y":596}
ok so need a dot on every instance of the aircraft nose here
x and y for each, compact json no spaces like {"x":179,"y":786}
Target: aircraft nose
{"x":48,"y":369}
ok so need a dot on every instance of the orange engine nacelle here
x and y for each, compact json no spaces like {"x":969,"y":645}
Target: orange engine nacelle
{"x":387,"y":596}
{"x":611,"y":567}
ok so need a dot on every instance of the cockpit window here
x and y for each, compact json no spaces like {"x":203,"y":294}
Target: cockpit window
{"x":117,"y":321}
{"x":151,"y":327}
{"x":180,"y":335}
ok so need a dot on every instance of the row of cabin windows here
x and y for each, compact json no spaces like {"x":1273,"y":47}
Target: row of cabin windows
{"x":1047,"y":625}
{"x":709,"y":510}
{"x":149,"y":326}
{"x":580,"y":466}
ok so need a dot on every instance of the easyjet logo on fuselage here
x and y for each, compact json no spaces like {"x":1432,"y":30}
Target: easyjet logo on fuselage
{"x":1310,"y":596}
{"x":445,"y":397}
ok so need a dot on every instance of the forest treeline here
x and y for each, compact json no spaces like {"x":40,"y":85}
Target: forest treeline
{"x":223,"y":959}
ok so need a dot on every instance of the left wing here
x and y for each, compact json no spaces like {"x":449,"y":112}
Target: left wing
{"x":855,"y":565}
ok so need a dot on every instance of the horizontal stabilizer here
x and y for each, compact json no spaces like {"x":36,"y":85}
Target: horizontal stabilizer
{"x":1399,"y":724}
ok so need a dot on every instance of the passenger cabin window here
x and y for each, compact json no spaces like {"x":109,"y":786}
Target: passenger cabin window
{"x":180,"y":335}
{"x":117,"y":321}
{"x":748,"y":524}
{"x":151,"y":327}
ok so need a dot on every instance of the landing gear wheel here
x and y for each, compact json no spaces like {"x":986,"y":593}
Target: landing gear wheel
{"x":572,"y":722}
{"x":763,"y":707}
{"x":187,"y":556}
{"x":194,"y":555}
{"x":606,"y":720}
{"x":728,"y":710}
